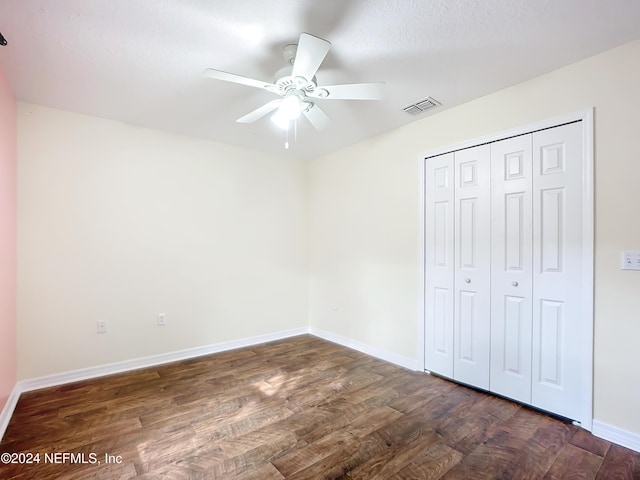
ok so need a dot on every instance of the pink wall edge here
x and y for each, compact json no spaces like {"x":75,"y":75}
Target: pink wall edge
{"x":8,"y":203}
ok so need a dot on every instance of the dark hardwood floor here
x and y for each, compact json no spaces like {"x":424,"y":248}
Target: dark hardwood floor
{"x":300,"y":408}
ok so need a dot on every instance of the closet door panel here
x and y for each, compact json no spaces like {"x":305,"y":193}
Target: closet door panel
{"x":439,"y":268}
{"x":557,"y":272}
{"x":511,"y":265}
{"x":472,"y":266}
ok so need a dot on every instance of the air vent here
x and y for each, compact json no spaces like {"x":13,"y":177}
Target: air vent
{"x":422,"y":106}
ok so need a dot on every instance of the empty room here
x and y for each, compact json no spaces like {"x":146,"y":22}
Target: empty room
{"x":364,"y":239}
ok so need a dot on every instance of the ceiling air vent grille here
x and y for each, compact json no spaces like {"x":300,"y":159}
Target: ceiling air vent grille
{"x":422,"y":106}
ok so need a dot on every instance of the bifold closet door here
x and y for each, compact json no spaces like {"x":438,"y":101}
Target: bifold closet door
{"x":472,"y":233}
{"x":557,"y":271}
{"x":505,"y":269}
{"x":439,"y":267}
{"x":511,"y":267}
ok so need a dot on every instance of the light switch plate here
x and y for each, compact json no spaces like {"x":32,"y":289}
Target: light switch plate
{"x":630,"y":260}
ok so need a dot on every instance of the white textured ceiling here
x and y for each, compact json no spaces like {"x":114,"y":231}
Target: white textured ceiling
{"x":140,"y":61}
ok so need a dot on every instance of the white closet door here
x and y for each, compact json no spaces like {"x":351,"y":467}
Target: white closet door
{"x":557,"y":270}
{"x":471,"y":312}
{"x":439,"y":214}
{"x":511,"y":276}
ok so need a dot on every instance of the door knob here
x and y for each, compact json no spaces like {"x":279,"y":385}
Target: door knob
{"x":467,"y":280}
{"x":514,"y":283}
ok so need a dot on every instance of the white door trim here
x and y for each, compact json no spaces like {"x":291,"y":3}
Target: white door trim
{"x":586,"y":340}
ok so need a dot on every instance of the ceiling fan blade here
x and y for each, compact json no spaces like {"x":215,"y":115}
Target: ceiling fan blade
{"x":318,"y":118}
{"x":352,"y":91}
{"x":232,"y":77}
{"x":260,"y":112}
{"x":310,"y":54}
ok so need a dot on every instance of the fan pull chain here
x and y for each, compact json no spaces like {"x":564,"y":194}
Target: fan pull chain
{"x":286,"y":142}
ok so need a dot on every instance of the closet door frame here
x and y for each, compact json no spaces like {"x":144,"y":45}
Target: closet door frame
{"x":584,"y":415}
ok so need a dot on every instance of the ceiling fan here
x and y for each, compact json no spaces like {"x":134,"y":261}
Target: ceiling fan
{"x":296,"y":84}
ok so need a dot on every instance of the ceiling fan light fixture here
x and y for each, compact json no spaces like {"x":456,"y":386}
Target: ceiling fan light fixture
{"x":290,"y":108}
{"x":280,"y":120}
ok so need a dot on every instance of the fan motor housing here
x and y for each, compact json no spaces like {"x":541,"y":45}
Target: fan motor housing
{"x":284,"y":82}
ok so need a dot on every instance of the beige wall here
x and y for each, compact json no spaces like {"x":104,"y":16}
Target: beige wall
{"x":120,"y":223}
{"x":8,"y":125}
{"x":365,"y":201}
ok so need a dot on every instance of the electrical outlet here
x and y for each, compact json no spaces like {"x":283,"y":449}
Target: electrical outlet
{"x":162,"y":319}
{"x":630,"y":261}
{"x":102,"y":326}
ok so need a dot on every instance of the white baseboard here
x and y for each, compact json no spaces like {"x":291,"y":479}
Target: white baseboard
{"x":143,"y":362}
{"x":7,"y":410}
{"x":391,"y":357}
{"x":616,"y":435}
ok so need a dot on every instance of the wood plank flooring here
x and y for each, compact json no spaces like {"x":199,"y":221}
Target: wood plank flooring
{"x":300,"y":408}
